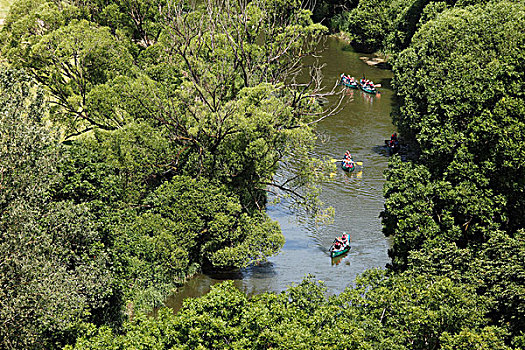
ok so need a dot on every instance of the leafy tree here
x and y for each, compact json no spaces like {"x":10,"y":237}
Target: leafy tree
{"x":404,"y":16}
{"x":455,"y":138}
{"x":190,"y":223}
{"x":140,"y":20}
{"x":72,"y":61}
{"x":239,"y":110}
{"x":462,"y":128}
{"x":389,"y":26}
{"x":367,"y":24}
{"x":193,"y":86}
{"x":488,"y":338}
{"x":52,"y":270}
{"x":386,"y":26}
{"x":381,"y":311}
{"x":29,"y":20}
{"x":455,"y":203}
{"x":421,"y":209}
{"x":495,"y":271}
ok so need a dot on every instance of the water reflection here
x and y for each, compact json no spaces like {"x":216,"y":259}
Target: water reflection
{"x":338,"y":259}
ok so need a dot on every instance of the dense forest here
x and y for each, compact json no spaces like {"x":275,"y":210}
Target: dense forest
{"x":139,"y":142}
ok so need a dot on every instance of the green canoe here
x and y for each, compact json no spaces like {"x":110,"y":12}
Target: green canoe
{"x":350,"y":84}
{"x":367,"y":88}
{"x":347,"y":168}
{"x":336,"y":253}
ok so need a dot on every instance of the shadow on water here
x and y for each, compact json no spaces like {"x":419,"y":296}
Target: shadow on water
{"x":386,"y":83}
{"x":234,"y":274}
{"x":382,"y":150}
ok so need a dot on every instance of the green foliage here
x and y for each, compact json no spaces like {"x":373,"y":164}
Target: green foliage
{"x":495,"y":271}
{"x":190,"y":222}
{"x":212,"y":80}
{"x":457,"y":210}
{"x":72,"y":61}
{"x":53,"y":270}
{"x":160,"y":227}
{"x":403,"y":17}
{"x":115,"y":169}
{"x":395,"y":312}
{"x":29,"y":20}
{"x":180,"y":119}
{"x":488,"y":338}
{"x":140,"y":20}
{"x":463,"y":127}
{"x":367,"y":24}
{"x":431,"y":11}
{"x":386,"y":25}
{"x":415,"y":309}
{"x":422,"y":209}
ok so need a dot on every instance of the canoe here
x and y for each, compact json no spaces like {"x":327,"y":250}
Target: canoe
{"x":347,"y":168}
{"x":392,"y":148}
{"x":344,"y":249}
{"x":350,"y":84}
{"x":369,"y":89}
{"x":336,"y":253}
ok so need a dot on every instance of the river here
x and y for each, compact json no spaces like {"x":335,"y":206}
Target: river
{"x":357,"y":198}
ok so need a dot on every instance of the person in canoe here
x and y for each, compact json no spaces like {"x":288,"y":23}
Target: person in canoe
{"x":392,"y":144}
{"x":344,"y":239}
{"x":348,"y":80}
{"x":394,"y":137}
{"x":340,"y":245}
{"x":348,"y":163}
{"x":345,"y":77}
{"x":369,"y":86}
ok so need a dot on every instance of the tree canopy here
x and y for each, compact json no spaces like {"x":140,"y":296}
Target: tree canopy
{"x":459,"y":200}
{"x":139,"y":142}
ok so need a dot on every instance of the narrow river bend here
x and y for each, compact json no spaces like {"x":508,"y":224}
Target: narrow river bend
{"x":357,"y":198}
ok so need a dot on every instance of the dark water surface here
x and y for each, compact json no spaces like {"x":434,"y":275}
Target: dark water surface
{"x":357,"y":198}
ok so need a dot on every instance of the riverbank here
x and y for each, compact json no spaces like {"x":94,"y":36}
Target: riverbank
{"x":376,"y":59}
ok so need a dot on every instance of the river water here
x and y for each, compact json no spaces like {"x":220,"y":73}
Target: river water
{"x":357,"y":198}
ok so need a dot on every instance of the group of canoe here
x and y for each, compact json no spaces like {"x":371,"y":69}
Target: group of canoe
{"x":341,"y":245}
{"x":364,"y":84}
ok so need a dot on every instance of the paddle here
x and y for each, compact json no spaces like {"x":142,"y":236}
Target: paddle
{"x":340,"y":160}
